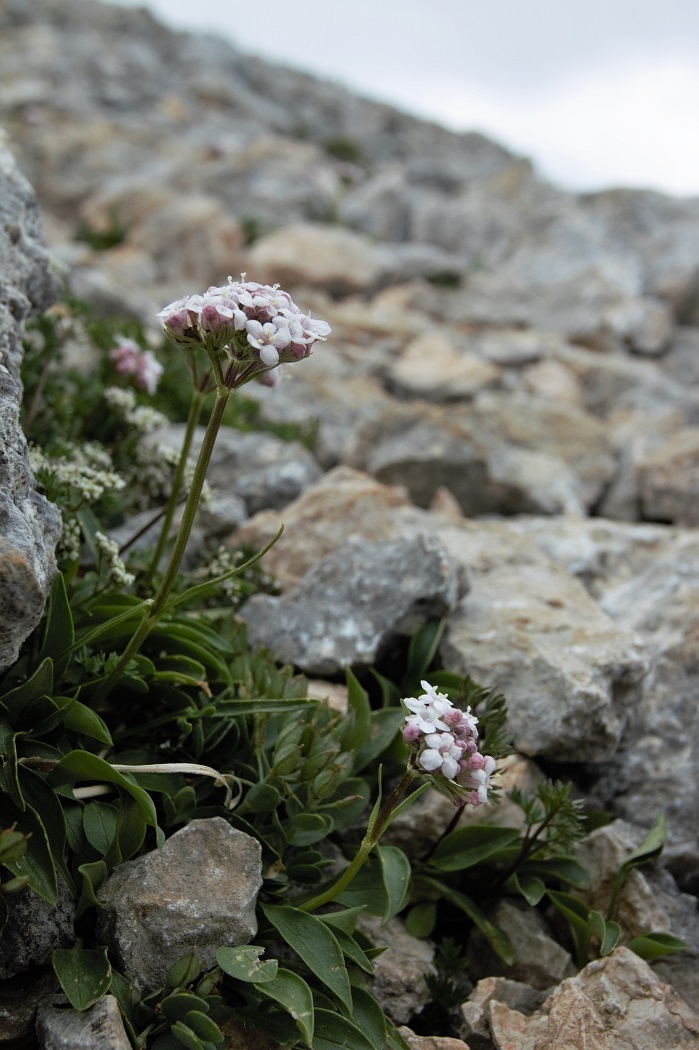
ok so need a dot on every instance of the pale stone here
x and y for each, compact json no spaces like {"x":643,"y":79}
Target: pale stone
{"x":539,"y":960}
{"x":195,"y":893}
{"x":369,"y":601}
{"x":570,"y":674}
{"x":398,"y":981}
{"x":327,"y":256}
{"x":345,"y":503}
{"x":100,"y":1027}
{"x":432,"y":366}
{"x":616,"y":1003}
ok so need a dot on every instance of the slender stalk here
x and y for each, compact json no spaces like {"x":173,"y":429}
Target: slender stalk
{"x":371,"y":838}
{"x":453,"y":821}
{"x":192,"y":420}
{"x":170,"y":574}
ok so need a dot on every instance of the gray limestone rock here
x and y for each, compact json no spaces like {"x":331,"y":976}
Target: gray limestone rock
{"x":352,"y":604}
{"x":29,"y":524}
{"x":259,"y":468}
{"x":59,"y":1027}
{"x":398,"y":981}
{"x":196,"y":893}
{"x":539,"y":960}
{"x":34,"y":928}
{"x":570,"y":674}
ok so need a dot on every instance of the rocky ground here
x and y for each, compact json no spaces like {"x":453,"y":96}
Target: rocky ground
{"x":508,"y":419}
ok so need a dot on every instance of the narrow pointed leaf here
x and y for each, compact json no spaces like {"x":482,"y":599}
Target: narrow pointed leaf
{"x":315,"y":944}
{"x":293,"y":994}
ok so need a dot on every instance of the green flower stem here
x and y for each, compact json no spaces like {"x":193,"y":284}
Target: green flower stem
{"x":374,"y":833}
{"x":190,"y":509}
{"x":192,"y":420}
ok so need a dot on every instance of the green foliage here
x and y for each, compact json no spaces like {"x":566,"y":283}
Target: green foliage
{"x":595,"y":934}
{"x":102,"y":240}
{"x":343,"y":148}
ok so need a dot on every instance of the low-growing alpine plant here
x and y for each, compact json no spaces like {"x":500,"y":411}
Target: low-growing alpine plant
{"x":138,"y":706}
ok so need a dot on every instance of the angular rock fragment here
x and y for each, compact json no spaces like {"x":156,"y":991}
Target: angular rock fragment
{"x":195,"y":893}
{"x":29,"y":524}
{"x":352,"y":604}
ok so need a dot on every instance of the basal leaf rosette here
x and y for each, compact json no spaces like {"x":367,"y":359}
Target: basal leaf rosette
{"x":253,"y":327}
{"x":442,"y":741}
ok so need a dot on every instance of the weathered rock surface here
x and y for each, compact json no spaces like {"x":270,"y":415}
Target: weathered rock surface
{"x":59,"y":1027}
{"x":370,"y":600}
{"x":195,"y":893}
{"x":29,"y":524}
{"x":398,"y":981}
{"x":34,"y":929}
{"x":539,"y":960}
{"x":260,"y":469}
{"x":613,"y":1004}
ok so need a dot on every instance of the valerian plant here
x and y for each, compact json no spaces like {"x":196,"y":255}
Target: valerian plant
{"x":138,"y":706}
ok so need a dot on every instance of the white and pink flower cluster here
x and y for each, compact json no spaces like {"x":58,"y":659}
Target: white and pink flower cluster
{"x":443,"y":740}
{"x":253,"y":323}
{"x":141,"y":365}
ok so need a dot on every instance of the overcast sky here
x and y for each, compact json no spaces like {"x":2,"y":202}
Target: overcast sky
{"x":597,"y":93}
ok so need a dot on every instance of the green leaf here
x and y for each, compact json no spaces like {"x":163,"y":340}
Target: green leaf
{"x":40,"y":684}
{"x":367,"y":888}
{"x":396,"y":873}
{"x":335,"y":1032}
{"x":531,"y":888}
{"x":650,"y":849}
{"x":99,"y":825}
{"x":262,"y":706}
{"x":293,"y":994}
{"x":471,"y":845}
{"x":203,"y":1026}
{"x":654,"y":945}
{"x":131,"y":827}
{"x":185,"y":971}
{"x":422,"y":651}
{"x":93,"y":875}
{"x":370,"y":1018}
{"x":261,"y":798}
{"x":37,"y":863}
{"x":421,"y":919}
{"x":59,"y":633}
{"x":394,"y":1039}
{"x":307,"y":828}
{"x":177,"y":1005}
{"x":409,"y":800}
{"x":575,"y":912}
{"x":44,"y":801}
{"x":244,"y":964}
{"x":184,"y":1034}
{"x":383,"y":730}
{"x":315,"y":944}
{"x":357,"y":724}
{"x":565,"y":869}
{"x":497,"y":937}
{"x":352,"y":951}
{"x":343,"y":920}
{"x":84,"y":974}
{"x":82,"y":719}
{"x":611,"y":937}
{"x":81,"y":765}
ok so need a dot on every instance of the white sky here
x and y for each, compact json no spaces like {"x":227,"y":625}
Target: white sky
{"x":596,"y":92}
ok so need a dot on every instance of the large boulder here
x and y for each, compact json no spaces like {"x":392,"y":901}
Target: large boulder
{"x":29,"y":524}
